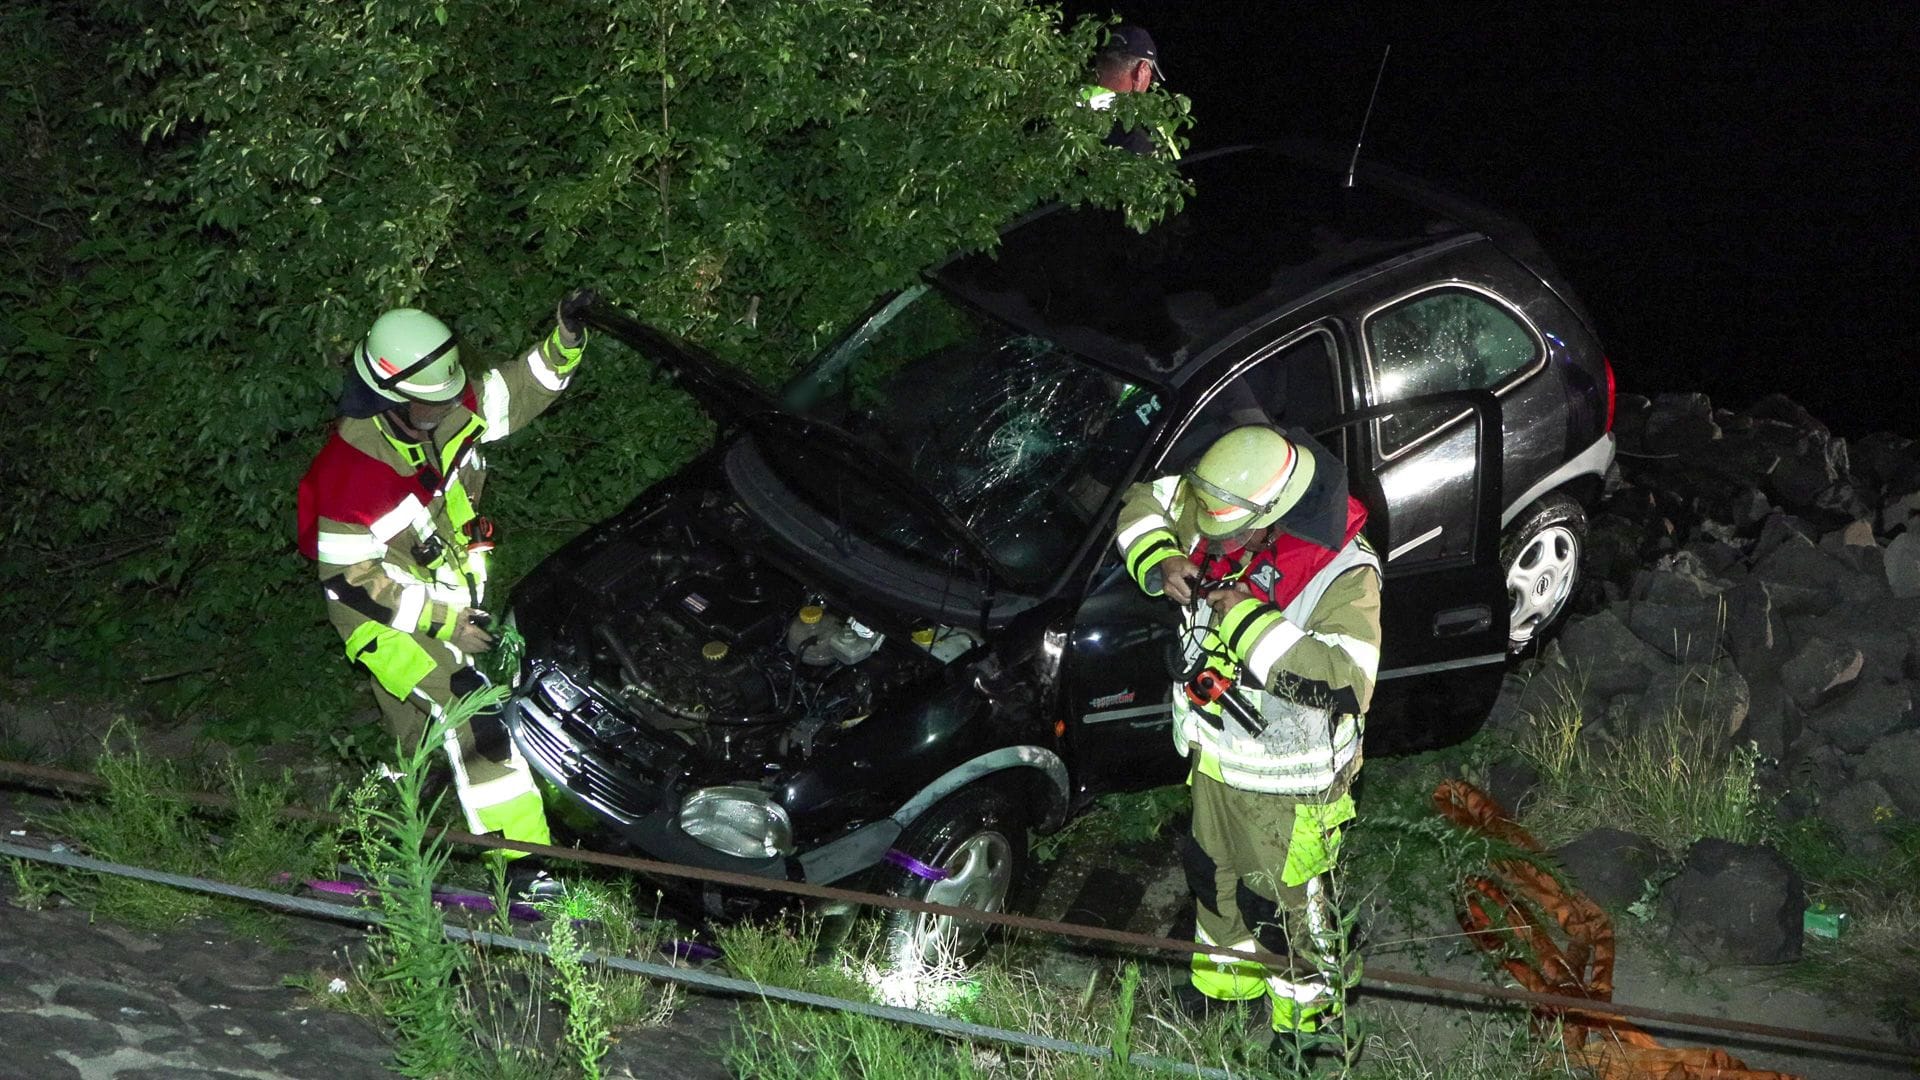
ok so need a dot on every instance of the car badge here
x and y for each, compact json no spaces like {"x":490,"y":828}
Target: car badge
{"x":694,"y":602}
{"x":565,"y":696}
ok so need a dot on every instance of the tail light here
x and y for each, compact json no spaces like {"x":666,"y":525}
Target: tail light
{"x":1608,"y":364}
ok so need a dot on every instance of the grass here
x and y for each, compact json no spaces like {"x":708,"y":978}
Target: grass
{"x":140,"y":820}
{"x":1132,"y":817}
{"x":1874,"y":966}
{"x":1674,"y":780}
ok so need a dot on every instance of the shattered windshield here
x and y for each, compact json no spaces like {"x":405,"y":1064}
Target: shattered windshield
{"x":1019,"y":439}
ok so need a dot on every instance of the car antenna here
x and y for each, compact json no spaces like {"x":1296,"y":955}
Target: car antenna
{"x":1354,"y":164}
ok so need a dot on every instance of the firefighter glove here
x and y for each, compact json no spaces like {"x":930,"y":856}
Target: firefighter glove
{"x":573,"y":333}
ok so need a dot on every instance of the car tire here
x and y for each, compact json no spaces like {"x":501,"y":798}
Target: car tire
{"x":977,"y":837}
{"x":1540,"y":558}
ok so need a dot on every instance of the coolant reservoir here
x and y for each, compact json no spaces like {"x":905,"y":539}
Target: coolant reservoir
{"x":854,"y":642}
{"x":809,"y":633}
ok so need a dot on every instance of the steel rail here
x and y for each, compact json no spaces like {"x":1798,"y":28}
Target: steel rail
{"x":702,"y":980}
{"x":1588,"y":1007}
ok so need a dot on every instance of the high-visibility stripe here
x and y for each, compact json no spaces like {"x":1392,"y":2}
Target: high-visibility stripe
{"x":450,"y":742}
{"x":345,"y":549}
{"x":1224,"y":976}
{"x":406,"y":614}
{"x":495,"y":399}
{"x":543,"y":374}
{"x":1140,"y":528}
{"x":1270,"y":646}
{"x":388,"y":525}
{"x":1366,"y":655}
{"x":1148,"y":555}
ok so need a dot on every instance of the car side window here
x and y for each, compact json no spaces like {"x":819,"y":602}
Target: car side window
{"x":1293,"y":387}
{"x":1449,"y":339}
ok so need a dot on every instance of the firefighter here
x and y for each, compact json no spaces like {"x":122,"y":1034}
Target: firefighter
{"x":1260,"y":543}
{"x":389,"y":511}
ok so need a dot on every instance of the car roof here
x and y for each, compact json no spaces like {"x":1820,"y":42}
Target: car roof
{"x":1265,"y":229}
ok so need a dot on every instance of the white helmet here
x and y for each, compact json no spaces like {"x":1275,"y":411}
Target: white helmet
{"x":409,"y":355}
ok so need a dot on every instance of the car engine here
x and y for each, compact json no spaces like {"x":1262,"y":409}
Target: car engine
{"x":717,"y":649}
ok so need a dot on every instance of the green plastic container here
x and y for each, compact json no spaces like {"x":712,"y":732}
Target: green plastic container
{"x":1822,"y":921}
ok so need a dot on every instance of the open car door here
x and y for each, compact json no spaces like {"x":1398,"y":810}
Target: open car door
{"x":1443,"y":625}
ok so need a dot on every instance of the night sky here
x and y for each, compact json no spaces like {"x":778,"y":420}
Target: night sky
{"x":1730,"y":187}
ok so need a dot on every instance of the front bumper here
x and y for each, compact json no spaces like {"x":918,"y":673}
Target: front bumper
{"x":642,"y":806}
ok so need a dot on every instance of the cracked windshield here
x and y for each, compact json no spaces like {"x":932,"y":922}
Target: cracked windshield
{"x":1017,"y":438}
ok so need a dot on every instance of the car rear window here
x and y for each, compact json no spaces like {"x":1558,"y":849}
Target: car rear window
{"x":1448,"y":339}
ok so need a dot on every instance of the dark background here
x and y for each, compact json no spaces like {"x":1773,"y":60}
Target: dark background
{"x":1730,"y":187}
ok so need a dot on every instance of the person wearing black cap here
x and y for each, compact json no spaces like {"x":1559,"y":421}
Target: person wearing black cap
{"x":1127,"y":64}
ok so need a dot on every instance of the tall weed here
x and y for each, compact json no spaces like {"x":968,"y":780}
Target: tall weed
{"x":1674,"y":780}
{"x":141,"y":820}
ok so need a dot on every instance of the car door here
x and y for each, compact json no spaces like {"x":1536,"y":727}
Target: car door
{"x":1123,"y":653}
{"x":1439,"y":327}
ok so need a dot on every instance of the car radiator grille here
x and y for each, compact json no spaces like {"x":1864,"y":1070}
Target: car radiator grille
{"x":608,"y":788}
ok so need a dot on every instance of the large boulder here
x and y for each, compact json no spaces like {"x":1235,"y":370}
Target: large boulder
{"x":1820,"y":671}
{"x":1879,"y":630}
{"x":1686,"y":633}
{"x":1857,"y":813}
{"x":1610,"y":865}
{"x":1707,"y":697}
{"x":1894,"y":762}
{"x":1679,"y":424}
{"x":1737,"y":904}
{"x":1778,"y":529}
{"x":1858,"y":720}
{"x":1609,"y":658}
{"x":1773,"y":720}
{"x":1756,"y":633}
{"x":1820,"y":577}
{"x":1902,"y":559}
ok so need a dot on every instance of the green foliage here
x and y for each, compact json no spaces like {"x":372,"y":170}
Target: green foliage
{"x":416,"y":967}
{"x":142,"y":821}
{"x":1131,"y":817}
{"x":574,"y":983}
{"x":1674,"y":780}
{"x":262,"y":178}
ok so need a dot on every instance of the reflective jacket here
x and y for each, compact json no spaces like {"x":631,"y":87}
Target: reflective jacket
{"x":1140,"y":140}
{"x":385,"y":518}
{"x":1302,"y":654}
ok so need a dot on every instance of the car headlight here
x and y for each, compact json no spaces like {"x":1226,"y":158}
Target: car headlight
{"x":737,"y":820}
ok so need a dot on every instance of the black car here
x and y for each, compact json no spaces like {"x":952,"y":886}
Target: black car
{"x":881,"y":627}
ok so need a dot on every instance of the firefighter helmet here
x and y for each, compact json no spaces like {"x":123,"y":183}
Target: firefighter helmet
{"x":408,"y":355}
{"x":1248,"y":479}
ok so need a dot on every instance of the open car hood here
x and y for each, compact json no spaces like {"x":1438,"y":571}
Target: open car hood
{"x":730,"y":395}
{"x":719,"y":388}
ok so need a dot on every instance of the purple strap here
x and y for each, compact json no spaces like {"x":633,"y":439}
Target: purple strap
{"x":692,"y":950}
{"x":465,"y":900}
{"x":914,"y":866}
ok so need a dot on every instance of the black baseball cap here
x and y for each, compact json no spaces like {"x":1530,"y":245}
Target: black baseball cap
{"x":1128,"y":40}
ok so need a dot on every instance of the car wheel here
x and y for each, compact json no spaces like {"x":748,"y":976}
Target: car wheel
{"x":1541,"y":557}
{"x":968,"y":851}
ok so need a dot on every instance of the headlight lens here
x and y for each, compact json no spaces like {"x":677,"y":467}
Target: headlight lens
{"x":737,"y":820}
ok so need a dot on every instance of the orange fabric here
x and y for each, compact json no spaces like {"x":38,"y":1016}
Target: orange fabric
{"x":1556,"y":941}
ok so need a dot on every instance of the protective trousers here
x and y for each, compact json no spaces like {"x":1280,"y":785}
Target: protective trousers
{"x":495,"y":787}
{"x":1256,"y":864}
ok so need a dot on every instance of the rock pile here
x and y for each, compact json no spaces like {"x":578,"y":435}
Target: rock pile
{"x":1762,"y":577}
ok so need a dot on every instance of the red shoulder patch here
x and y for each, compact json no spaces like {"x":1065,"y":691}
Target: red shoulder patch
{"x":346,"y":484}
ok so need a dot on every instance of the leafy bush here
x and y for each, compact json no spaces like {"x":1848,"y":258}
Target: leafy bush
{"x":245,"y":185}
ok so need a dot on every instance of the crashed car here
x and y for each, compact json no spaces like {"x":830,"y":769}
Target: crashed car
{"x":880,"y":630}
